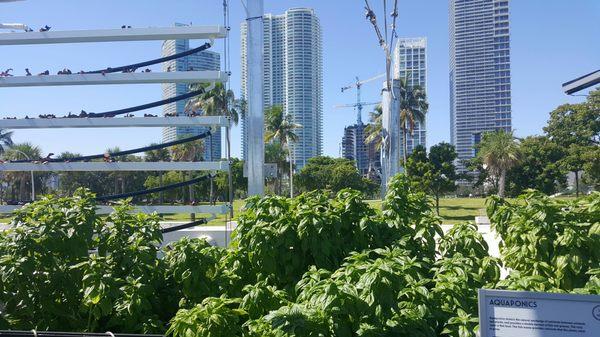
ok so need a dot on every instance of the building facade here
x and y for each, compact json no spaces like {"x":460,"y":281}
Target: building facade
{"x":205,"y":60}
{"x":293,"y":77}
{"x":354,"y":147}
{"x":410,"y":65}
{"x":480,"y":86}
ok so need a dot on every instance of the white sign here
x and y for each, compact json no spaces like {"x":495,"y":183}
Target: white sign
{"x":528,"y":314}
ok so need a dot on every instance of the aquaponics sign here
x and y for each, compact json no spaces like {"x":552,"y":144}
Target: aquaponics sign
{"x":529,"y":314}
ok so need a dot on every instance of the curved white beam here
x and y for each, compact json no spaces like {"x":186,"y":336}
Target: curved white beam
{"x":113,"y":35}
{"x":59,"y":123}
{"x":117,"y":166}
{"x":160,"y":209}
{"x":114,"y":78}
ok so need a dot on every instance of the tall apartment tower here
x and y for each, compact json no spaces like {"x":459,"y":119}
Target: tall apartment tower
{"x":410,"y":65}
{"x":293,"y":76}
{"x":205,"y":60}
{"x":354,"y":147}
{"x":480,"y":91}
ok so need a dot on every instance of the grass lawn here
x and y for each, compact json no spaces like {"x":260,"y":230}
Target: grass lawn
{"x":454,"y":210}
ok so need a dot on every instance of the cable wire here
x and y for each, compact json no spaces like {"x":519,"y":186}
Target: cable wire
{"x":152,"y":190}
{"x":130,"y":67}
{"x":122,"y":153}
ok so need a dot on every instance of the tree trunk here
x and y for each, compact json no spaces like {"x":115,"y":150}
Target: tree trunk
{"x":404,"y":146}
{"x":212,"y":197}
{"x":291,"y":177}
{"x":577,"y":184}
{"x":437,"y":203}
{"x":501,"y":183}
{"x":161,"y":193}
{"x":191,"y":193}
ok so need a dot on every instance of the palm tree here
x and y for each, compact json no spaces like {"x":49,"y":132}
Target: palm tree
{"x":499,"y":152}
{"x":217,"y":102}
{"x":413,"y":107}
{"x":5,"y":140}
{"x":21,"y":182}
{"x":374,"y":128}
{"x":156,"y":156}
{"x":190,"y":151}
{"x":280,"y":128}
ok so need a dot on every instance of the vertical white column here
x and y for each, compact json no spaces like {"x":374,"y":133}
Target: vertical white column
{"x":255,"y":118}
{"x":390,"y":154}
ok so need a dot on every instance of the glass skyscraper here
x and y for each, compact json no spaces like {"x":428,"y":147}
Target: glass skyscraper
{"x":205,"y":60}
{"x":480,"y":90}
{"x":410,"y":65}
{"x":293,"y":76}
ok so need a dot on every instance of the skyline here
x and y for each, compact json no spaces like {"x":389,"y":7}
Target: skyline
{"x":539,"y":66}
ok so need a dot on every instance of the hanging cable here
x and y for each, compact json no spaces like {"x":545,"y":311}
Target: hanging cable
{"x":184,"y":226}
{"x":146,"y":106}
{"x":152,"y":62}
{"x":121,"y":153}
{"x":152,"y":190}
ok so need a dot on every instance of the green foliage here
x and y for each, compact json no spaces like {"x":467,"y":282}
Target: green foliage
{"x":434,"y":174}
{"x":214,"y":317}
{"x":191,"y":266}
{"x":335,"y":174}
{"x":548,"y":240}
{"x":539,"y":167}
{"x":39,"y":286}
{"x":408,"y":212}
{"x":283,"y":237}
{"x":314,"y":265}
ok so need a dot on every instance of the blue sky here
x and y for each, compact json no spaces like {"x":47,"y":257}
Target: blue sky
{"x":552,"y":41}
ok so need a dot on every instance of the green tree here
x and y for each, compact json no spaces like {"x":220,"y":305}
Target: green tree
{"x":237,"y":176}
{"x":499,"y":152}
{"x":413,"y":107}
{"x":20,"y":182}
{"x":69,"y":182}
{"x":157,"y":156}
{"x":276,"y":154}
{"x":280,"y":128}
{"x":190,"y":152}
{"x":374,"y":128}
{"x":539,"y":167}
{"x":217,"y":102}
{"x":335,"y":174}
{"x":576,"y":127}
{"x":435,"y":174}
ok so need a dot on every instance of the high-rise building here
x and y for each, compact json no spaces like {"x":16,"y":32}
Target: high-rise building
{"x":354,"y":147}
{"x":293,"y":76}
{"x":410,"y":65}
{"x":480,"y":90}
{"x":204,"y":60}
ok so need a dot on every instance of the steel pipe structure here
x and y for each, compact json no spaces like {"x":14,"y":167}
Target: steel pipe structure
{"x":133,"y":122}
{"x":161,"y":209}
{"x":255,"y":117}
{"x":114,"y":78}
{"x":115,"y":166}
{"x":114,"y":35}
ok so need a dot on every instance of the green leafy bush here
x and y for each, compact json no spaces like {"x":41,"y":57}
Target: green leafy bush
{"x":547,"y":241}
{"x":314,"y":265}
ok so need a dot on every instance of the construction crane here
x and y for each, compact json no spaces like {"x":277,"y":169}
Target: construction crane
{"x":359,"y":105}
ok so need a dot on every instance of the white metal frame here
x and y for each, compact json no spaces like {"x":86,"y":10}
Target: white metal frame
{"x":128,"y":34}
{"x":116,"y":166}
{"x":114,"y":78}
{"x":115,"y":122}
{"x":161,"y":209}
{"x":113,"y":35}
